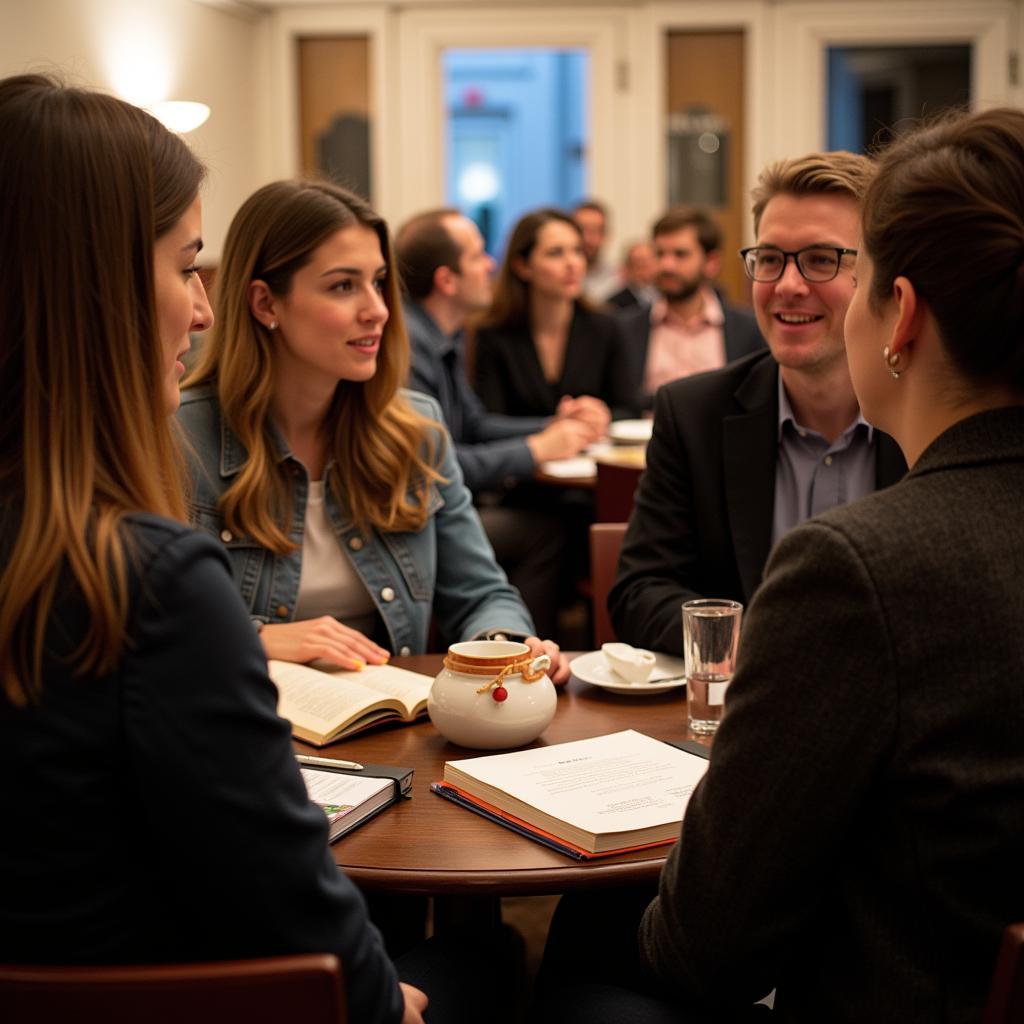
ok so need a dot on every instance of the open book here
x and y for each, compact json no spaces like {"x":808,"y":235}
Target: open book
{"x":586,"y":798}
{"x":324,"y":706}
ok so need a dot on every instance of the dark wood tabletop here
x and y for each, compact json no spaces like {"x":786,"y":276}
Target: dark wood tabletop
{"x":429,"y":845}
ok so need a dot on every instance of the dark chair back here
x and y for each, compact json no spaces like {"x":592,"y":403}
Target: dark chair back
{"x":605,"y":545}
{"x":1006,"y":993}
{"x":306,"y":987}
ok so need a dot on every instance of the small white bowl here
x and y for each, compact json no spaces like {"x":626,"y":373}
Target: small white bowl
{"x":632,"y":663}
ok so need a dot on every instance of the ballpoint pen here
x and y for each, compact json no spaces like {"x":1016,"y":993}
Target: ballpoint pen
{"x":328,"y":762}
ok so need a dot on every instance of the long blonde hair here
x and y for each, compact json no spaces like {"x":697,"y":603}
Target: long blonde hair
{"x":89,"y":184}
{"x":383,"y":452}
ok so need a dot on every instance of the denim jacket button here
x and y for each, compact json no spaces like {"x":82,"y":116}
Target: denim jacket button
{"x":226,"y":536}
{"x":355,"y":543}
{"x":405,"y":652}
{"x":282,"y":611}
{"x":387,"y":594}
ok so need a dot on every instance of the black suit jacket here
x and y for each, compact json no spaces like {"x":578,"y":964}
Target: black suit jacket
{"x":510,"y":380}
{"x":702,"y":521}
{"x":858,"y":839}
{"x":740,"y":332}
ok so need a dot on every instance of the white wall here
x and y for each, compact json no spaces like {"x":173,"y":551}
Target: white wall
{"x":172,"y":49}
{"x":241,"y":61}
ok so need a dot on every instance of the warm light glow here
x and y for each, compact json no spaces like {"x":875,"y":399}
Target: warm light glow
{"x":138,"y":63}
{"x":479,"y":183}
{"x":180,"y":115}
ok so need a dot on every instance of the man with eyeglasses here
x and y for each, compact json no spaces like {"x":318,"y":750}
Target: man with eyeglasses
{"x":741,"y":455}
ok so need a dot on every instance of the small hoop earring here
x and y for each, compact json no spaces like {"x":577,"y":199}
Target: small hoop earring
{"x":892,"y":361}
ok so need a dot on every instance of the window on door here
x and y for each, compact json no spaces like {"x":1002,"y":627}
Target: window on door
{"x":871,"y":89}
{"x":515,"y":133}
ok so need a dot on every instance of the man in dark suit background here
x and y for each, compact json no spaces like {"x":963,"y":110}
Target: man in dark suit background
{"x":638,"y":270}
{"x":446,"y":273}
{"x":691,"y":328}
{"x":741,"y":455}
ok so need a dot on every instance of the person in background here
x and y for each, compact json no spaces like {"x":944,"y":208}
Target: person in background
{"x":856,"y":843}
{"x":337,"y":495}
{"x":691,"y":328}
{"x":601,"y":278}
{"x":741,"y":455}
{"x":446,"y":273}
{"x":540,"y":344}
{"x":135,"y":693}
{"x":638,"y":271}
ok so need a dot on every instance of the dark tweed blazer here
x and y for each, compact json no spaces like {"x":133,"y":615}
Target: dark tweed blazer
{"x":858,"y":841}
{"x":702,"y":522}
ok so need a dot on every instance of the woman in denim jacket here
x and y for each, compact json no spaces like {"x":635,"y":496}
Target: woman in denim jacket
{"x":336,"y":494}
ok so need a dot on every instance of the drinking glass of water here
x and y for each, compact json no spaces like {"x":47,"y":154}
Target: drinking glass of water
{"x":711,"y":634}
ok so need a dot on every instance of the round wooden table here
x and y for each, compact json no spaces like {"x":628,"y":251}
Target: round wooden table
{"x":430,"y":846}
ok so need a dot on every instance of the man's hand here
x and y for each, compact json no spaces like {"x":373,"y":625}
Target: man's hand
{"x":325,"y":639}
{"x":586,"y":409}
{"x":560,"y":439}
{"x":559,"y":671}
{"x":415,"y":1004}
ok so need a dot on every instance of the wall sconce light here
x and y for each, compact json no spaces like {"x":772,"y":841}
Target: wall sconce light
{"x":180,"y":115}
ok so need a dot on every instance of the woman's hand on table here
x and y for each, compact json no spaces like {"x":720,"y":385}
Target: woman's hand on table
{"x":415,"y":1004}
{"x":560,"y":439}
{"x":323,"y":639}
{"x":559,"y":671}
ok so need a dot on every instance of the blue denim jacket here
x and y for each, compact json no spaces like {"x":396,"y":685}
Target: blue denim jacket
{"x":447,"y":568}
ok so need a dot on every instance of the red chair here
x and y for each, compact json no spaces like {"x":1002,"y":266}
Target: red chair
{"x":1006,"y":993}
{"x":605,"y":545}
{"x":307,"y":987}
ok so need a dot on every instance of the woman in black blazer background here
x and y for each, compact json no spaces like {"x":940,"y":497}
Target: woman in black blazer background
{"x":540,"y":346}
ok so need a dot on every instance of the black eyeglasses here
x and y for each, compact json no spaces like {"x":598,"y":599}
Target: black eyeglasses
{"x":816,"y":263}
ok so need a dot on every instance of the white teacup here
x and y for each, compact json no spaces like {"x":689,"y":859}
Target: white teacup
{"x":632,"y":663}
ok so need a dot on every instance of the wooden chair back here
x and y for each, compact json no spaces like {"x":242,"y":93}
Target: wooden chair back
{"x":1006,"y":993}
{"x":614,"y":489}
{"x":605,"y":545}
{"x":307,"y":987}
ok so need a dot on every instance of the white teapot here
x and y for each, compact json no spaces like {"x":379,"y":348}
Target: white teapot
{"x":492,"y":694}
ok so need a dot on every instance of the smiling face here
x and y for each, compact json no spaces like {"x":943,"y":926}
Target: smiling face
{"x":803,"y":321}
{"x":556,"y":264}
{"x":181,"y":303}
{"x":331,"y":321}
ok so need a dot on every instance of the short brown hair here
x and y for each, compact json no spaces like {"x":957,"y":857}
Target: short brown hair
{"x":833,"y":173}
{"x":946,"y":210}
{"x":423,"y":244}
{"x":709,"y":234}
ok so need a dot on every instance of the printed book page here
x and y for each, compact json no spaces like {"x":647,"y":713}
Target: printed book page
{"x":324,"y":700}
{"x":609,"y":785}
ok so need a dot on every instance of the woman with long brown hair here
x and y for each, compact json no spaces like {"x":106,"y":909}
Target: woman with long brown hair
{"x":136,"y":714}
{"x":337,"y":495}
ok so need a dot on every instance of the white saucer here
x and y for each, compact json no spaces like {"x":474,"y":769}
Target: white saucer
{"x":669,"y":673}
{"x":631,"y":431}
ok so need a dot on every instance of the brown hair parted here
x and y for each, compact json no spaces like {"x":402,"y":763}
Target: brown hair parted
{"x":946,"y":211}
{"x":89,"y":183}
{"x":422,"y":245}
{"x":383,"y":452}
{"x":511,"y":303}
{"x":832,"y":173}
{"x":709,"y":234}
